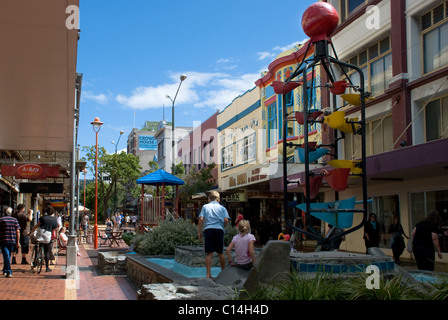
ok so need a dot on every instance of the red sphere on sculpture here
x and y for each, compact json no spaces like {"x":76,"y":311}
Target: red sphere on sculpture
{"x":320,"y":20}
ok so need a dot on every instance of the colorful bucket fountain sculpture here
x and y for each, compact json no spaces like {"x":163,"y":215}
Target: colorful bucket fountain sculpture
{"x":312,"y":155}
{"x":341,"y":220}
{"x":337,"y":179}
{"x":319,"y":22}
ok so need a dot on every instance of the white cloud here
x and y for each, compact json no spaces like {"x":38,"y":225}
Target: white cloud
{"x":223,"y":60}
{"x":154,"y":97}
{"x":263,"y":55}
{"x":98,"y":98}
{"x":200,"y":89}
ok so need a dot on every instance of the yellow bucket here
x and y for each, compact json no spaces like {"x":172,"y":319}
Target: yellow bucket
{"x":354,"y":98}
{"x":351,"y":164}
{"x":336,"y":120}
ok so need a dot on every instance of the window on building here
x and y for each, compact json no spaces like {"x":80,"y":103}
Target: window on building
{"x":436,"y":119}
{"x":385,"y":208}
{"x":272,"y":125}
{"x":199,"y":158}
{"x":160,"y":150}
{"x":289,"y":97}
{"x":376,"y":65}
{"x":211,"y":150}
{"x":227,"y":157}
{"x":347,"y":7}
{"x":423,"y":202}
{"x":205,"y":154}
{"x":246,"y":150}
{"x":379,"y":139}
{"x":434,"y":29}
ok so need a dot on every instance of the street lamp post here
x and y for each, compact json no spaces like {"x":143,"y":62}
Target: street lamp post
{"x":115,"y":180}
{"x":182,"y":78}
{"x":96,"y":127}
{"x":116,"y":144}
{"x":84,"y":211}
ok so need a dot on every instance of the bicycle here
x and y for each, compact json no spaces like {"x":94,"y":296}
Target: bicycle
{"x":37,"y":256}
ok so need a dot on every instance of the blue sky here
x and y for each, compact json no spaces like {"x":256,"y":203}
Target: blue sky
{"x":132,"y":53}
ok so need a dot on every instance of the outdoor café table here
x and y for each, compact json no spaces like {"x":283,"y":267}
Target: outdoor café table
{"x":128,"y":229}
{"x":114,"y":237}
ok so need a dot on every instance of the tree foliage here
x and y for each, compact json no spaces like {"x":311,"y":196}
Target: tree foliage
{"x":197,"y":181}
{"x":114,"y":170}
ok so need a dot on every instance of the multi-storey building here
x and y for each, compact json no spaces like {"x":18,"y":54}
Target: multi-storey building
{"x":197,"y":149}
{"x":164,"y":139}
{"x":402,"y":48}
{"x":250,"y":141}
{"x":143,"y":143}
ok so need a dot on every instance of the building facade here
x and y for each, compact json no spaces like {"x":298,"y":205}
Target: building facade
{"x":142,"y":143}
{"x":250,"y":142}
{"x":402,"y":48}
{"x":164,"y":140}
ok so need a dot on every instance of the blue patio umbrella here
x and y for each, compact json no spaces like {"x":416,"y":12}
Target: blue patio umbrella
{"x":159,"y":177}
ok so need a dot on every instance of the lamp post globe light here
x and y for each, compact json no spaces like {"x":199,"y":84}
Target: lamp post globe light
{"x":182,"y":79}
{"x":96,"y":128}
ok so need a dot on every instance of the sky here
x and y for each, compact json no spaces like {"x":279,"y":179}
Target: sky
{"x":132,"y":52}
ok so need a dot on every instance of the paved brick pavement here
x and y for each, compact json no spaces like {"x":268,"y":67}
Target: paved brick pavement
{"x":91,"y":285}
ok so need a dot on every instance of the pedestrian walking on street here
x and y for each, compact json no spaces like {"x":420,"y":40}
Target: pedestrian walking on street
{"x":239,"y":217}
{"x":396,"y":239}
{"x":425,"y":240}
{"x":85,"y":223}
{"x":23,"y":219}
{"x":49,"y":223}
{"x":213,"y":218}
{"x":372,"y":232}
{"x":9,"y":239}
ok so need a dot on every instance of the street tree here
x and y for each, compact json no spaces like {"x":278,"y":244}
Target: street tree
{"x":121,"y":170}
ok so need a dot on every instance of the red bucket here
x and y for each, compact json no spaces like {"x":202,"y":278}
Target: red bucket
{"x":314,"y":114}
{"x":283,"y":88}
{"x":337,"y":179}
{"x":315,"y":184}
{"x":338,"y":87}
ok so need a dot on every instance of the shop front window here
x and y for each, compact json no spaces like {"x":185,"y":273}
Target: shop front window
{"x":385,"y":208}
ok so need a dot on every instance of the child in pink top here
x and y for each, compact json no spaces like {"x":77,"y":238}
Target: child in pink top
{"x":243,"y":243}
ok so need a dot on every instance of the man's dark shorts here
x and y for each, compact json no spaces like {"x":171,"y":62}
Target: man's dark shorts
{"x":24,"y":244}
{"x":213,"y":240}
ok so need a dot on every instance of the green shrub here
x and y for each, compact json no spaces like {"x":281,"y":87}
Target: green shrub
{"x":127,"y":237}
{"x":324,"y":286}
{"x":439,"y":289}
{"x":229,"y":233}
{"x":163,"y":239}
{"x":391,"y":288}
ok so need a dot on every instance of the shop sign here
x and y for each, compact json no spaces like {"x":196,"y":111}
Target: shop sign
{"x":236,"y":197}
{"x":30,"y":171}
{"x":247,"y":177}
